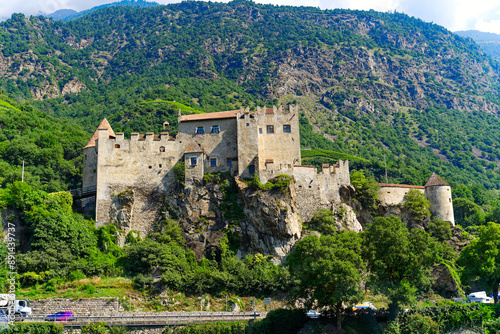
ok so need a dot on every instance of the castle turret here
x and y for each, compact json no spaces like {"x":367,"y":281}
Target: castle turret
{"x":438,"y":193}
{"x":90,"y":155}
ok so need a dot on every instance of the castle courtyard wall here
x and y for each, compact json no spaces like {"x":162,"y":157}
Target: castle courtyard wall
{"x":394,"y":194}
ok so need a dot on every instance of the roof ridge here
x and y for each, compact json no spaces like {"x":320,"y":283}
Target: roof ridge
{"x":435,"y":181}
{"x":102,"y":126}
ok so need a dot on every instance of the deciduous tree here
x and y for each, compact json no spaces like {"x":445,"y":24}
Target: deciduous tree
{"x":328,"y":270}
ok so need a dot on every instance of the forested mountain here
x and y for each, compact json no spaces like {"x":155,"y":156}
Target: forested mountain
{"x":50,"y":148}
{"x":489,"y":42}
{"x":366,"y":82}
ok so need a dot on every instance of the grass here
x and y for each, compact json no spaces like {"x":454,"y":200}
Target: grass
{"x":184,"y":108}
{"x":84,"y":288}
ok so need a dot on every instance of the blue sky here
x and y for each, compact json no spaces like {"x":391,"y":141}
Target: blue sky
{"x":483,"y":15}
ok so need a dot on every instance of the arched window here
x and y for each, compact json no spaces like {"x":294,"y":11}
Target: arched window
{"x":162,"y":148}
{"x":117,"y":145}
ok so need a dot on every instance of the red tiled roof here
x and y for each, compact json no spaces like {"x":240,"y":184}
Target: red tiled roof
{"x":269,"y":161}
{"x":269,"y":111}
{"x":212,"y":115}
{"x":104,"y":125}
{"x":310,"y":166}
{"x":399,"y":186}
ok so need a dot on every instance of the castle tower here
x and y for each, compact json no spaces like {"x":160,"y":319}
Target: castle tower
{"x":438,"y":193}
{"x":90,"y":155}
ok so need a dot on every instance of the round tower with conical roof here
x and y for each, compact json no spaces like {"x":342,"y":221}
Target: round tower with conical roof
{"x":438,"y":193}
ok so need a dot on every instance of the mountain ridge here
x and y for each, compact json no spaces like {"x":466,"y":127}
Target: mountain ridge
{"x":363,"y":80}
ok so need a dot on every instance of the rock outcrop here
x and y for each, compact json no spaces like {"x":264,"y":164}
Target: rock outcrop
{"x":273,"y":224}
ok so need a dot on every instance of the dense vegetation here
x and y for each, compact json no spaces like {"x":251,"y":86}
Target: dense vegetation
{"x":50,"y":148}
{"x":129,"y":65}
{"x":434,"y":109}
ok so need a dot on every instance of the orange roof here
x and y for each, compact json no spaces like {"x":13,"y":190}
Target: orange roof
{"x":212,"y":115}
{"x":399,"y":186}
{"x":435,"y":180}
{"x":104,"y":125}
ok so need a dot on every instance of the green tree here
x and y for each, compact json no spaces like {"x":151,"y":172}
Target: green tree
{"x":417,"y":205}
{"x":398,"y":260}
{"x":328,"y":270}
{"x":323,"y":221}
{"x":366,"y":190}
{"x":467,"y":213}
{"x":481,"y":258}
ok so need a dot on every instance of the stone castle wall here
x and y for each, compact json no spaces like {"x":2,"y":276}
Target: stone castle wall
{"x":394,"y":194}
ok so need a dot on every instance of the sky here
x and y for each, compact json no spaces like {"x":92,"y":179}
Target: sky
{"x":482,"y":15}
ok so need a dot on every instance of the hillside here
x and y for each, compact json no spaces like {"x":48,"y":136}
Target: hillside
{"x":489,"y":42}
{"x":367,"y":82}
{"x":49,"y":148}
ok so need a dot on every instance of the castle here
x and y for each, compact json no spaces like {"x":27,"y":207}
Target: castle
{"x":437,"y":192}
{"x":264,"y":142}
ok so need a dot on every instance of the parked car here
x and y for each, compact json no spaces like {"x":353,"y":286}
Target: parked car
{"x":60,"y":316}
{"x":367,"y":306}
{"x":313,"y":314}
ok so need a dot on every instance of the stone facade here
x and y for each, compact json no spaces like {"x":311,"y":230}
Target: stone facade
{"x":437,"y":192}
{"x":130,"y":173}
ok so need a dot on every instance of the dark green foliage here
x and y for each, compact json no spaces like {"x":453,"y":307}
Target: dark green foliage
{"x":481,"y":258}
{"x":417,"y":205}
{"x":439,"y":319}
{"x":399,"y":261}
{"x":439,"y":229}
{"x":468,"y":213}
{"x":323,"y":221}
{"x":31,"y":328}
{"x":366,"y":190}
{"x":280,"y":321}
{"x":328,"y":271}
{"x":213,"y":328}
{"x":50,"y":148}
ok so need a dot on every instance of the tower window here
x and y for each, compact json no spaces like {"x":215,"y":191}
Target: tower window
{"x":248,"y":124}
{"x":200,"y":130}
{"x":229,"y":162}
{"x":117,"y":145}
{"x":162,"y":149}
{"x":287,"y":128}
{"x":215,"y":129}
{"x":270,"y":129}
{"x":213,"y":162}
{"x":260,"y":131}
{"x":193,"y":161}
{"x":251,"y":169}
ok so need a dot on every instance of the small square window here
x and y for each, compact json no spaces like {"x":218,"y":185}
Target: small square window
{"x":200,"y":130}
{"x":287,"y":128}
{"x":117,"y":145}
{"x":229,"y":162}
{"x":260,"y":131}
{"x":162,"y":148}
{"x":251,"y":169}
{"x":159,"y":165}
{"x":248,"y":124}
{"x":193,"y":161}
{"x":215,"y":129}
{"x":270,"y":129}
{"x":213,"y":162}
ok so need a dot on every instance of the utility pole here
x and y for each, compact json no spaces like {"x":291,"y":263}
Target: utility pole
{"x":385,"y":164}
